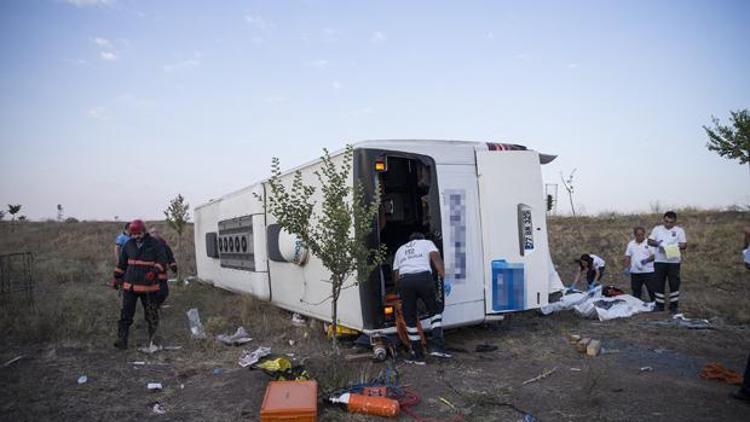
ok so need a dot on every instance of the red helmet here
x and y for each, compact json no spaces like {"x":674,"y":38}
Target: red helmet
{"x":137,"y":227}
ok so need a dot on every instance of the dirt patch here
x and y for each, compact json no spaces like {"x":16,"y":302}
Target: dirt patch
{"x":202,"y":381}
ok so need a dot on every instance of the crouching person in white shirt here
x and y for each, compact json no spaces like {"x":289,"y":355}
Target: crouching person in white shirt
{"x":669,"y":240}
{"x":413,"y":274}
{"x":639,"y":263}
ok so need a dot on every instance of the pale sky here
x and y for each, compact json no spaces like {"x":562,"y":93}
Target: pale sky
{"x":111,"y":108}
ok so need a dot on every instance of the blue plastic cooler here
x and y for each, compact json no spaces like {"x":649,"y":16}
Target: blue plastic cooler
{"x":508,"y":286}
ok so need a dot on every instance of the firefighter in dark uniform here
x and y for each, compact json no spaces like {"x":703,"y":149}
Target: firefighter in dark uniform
{"x":163,"y":293}
{"x":412,"y":267}
{"x":141,"y":261}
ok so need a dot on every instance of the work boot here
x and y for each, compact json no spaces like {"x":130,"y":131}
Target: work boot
{"x":416,"y":357}
{"x":439,"y":351}
{"x":122,"y":338}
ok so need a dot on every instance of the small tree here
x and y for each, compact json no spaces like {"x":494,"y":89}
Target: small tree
{"x":59,"y":212}
{"x":337,"y":234}
{"x":13,"y":210}
{"x":731,"y":142}
{"x":568,"y":185}
{"x":177,"y":216}
{"x":2,"y":215}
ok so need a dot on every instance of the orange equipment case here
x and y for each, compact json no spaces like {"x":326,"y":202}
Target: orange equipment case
{"x":290,"y":401}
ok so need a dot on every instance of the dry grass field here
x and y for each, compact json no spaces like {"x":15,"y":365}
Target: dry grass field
{"x":68,"y":331}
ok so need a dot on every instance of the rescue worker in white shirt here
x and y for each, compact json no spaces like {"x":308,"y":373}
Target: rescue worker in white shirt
{"x":668,"y":238}
{"x":639,"y":263}
{"x":592,"y":267}
{"x":413,"y":275}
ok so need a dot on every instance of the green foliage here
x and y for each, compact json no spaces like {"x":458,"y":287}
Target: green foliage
{"x":177,"y":214}
{"x":731,"y":142}
{"x":13,"y":210}
{"x":337,"y":234}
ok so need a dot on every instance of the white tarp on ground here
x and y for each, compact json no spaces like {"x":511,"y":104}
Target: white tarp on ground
{"x":593,"y":305}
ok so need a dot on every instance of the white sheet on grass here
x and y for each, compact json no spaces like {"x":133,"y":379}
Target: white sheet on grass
{"x":593,"y":305}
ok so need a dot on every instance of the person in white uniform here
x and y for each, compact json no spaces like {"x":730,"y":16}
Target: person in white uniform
{"x":669,"y":241}
{"x":639,"y":263}
{"x":412,"y":270}
{"x":592,"y":267}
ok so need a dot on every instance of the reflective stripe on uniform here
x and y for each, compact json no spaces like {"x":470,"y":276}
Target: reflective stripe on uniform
{"x":140,"y":288}
{"x":119,"y":271}
{"x":142,"y":263}
{"x":436,"y":320}
{"x":659,"y":297}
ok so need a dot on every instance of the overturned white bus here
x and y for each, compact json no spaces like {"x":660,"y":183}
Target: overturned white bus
{"x":482,"y":204}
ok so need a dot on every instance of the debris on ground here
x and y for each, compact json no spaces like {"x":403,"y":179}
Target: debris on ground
{"x":249,"y":358}
{"x":150,"y":349}
{"x":239,"y":337}
{"x":647,"y":369}
{"x":541,"y":376}
{"x":298,"y":320}
{"x":82,"y":379}
{"x":576,"y":369}
{"x":196,"y":327}
{"x":290,"y":400}
{"x":12,"y":361}
{"x":679,"y":320}
{"x":217,"y":371}
{"x":154,"y":386}
{"x":717,"y":372}
{"x":449,"y":404}
{"x":484,"y":348}
{"x":583,"y":344}
{"x":594,"y":348}
{"x":281,"y":369}
{"x":158,"y":409}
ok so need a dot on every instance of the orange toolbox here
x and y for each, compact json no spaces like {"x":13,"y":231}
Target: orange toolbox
{"x":290,"y":401}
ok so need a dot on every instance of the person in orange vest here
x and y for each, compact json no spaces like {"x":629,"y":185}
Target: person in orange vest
{"x":141,"y":261}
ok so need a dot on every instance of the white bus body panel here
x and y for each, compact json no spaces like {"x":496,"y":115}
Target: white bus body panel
{"x":306,"y":289}
{"x":507,"y":179}
{"x":207,"y":217}
{"x":462,"y":243}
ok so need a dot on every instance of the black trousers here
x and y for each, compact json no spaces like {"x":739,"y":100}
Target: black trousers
{"x":662,"y":272}
{"x":150,"y":312}
{"x":638,"y":281}
{"x":163,"y":293}
{"x":411,"y":288}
